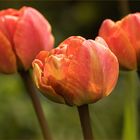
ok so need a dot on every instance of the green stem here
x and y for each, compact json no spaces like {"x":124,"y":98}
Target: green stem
{"x":130,"y":130}
{"x":85,"y":122}
{"x":36,"y":104}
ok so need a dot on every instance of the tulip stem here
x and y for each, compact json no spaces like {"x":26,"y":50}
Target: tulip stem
{"x":36,"y":104}
{"x":85,"y":122}
{"x":130,"y":130}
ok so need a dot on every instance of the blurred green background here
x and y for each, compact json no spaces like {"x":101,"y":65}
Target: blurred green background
{"x":17,"y":116}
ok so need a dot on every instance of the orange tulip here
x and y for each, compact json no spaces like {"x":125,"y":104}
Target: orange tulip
{"x":123,"y":38}
{"x":77,"y":72}
{"x":23,"y":33}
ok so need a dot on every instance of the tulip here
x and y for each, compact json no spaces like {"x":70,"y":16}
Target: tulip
{"x":77,"y":72}
{"x":123,"y":39}
{"x":23,"y":34}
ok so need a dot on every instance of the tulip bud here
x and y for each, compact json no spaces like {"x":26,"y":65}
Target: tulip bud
{"x":123,"y":39}
{"x":23,"y":34}
{"x":77,"y":72}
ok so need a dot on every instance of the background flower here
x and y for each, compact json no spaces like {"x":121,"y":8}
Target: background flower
{"x":123,"y":39}
{"x":23,"y":33}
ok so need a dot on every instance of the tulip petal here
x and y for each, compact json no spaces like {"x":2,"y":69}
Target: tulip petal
{"x":73,"y":43}
{"x":119,"y":44}
{"x":130,"y":24}
{"x":42,"y":56}
{"x":47,"y":90}
{"x":93,"y":69}
{"x":126,"y":55}
{"x":110,"y":67}
{"x":8,"y":19}
{"x":54,"y":68}
{"x":10,"y":11}
{"x":8,"y":25}
{"x":7,"y":57}
{"x":106,"y":28}
{"x":101,"y":41}
{"x":33,"y":34}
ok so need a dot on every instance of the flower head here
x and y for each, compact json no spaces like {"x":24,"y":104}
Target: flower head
{"x":123,"y":39}
{"x":77,"y":72}
{"x":23,"y":33}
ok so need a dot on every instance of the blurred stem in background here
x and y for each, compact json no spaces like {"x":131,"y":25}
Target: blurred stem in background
{"x":130,"y":128}
{"x":27,"y":80}
{"x":85,"y":122}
